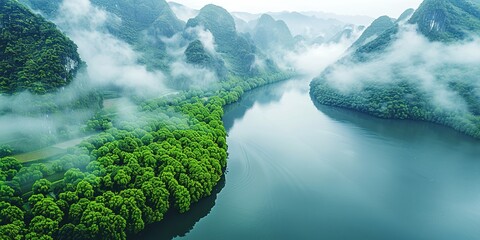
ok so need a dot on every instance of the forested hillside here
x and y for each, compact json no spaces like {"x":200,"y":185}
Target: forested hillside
{"x":238,"y":51}
{"x":36,"y":56}
{"x":156,"y":154}
{"x":411,"y":84}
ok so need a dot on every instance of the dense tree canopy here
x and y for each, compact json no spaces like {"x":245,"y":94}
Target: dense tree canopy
{"x":35,"y":55}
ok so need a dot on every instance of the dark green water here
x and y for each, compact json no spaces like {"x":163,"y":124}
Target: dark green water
{"x":300,"y":171}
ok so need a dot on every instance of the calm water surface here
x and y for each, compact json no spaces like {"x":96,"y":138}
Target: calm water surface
{"x":301,"y":171}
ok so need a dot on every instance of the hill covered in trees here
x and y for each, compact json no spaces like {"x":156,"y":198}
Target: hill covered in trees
{"x":155,"y":155}
{"x":415,"y":70}
{"x":36,"y":56}
{"x":238,"y":51}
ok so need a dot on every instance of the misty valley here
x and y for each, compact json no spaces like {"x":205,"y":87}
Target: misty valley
{"x":160,"y":120}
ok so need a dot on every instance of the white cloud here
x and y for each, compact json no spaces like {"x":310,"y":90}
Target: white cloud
{"x":413,"y":58}
{"x":111,"y":61}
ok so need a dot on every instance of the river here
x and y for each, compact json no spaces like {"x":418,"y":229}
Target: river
{"x":298,"y":170}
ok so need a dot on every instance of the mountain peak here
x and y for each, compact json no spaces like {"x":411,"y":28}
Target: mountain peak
{"x":269,"y":34}
{"x":405,"y":15}
{"x":373,"y":31}
{"x":448,"y":20}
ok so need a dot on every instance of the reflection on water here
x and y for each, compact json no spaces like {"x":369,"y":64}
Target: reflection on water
{"x":300,"y":171}
{"x":176,"y":224}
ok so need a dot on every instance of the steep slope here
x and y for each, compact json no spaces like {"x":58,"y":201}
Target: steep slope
{"x":447,"y":20}
{"x":237,"y":50}
{"x":197,"y":55}
{"x":271,"y":34}
{"x":350,"y":32}
{"x":377,"y":27}
{"x":420,"y":70}
{"x":141,"y":23}
{"x":140,"y":15}
{"x":438,"y":20}
{"x":36,"y":56}
{"x":405,"y":16}
{"x":183,"y":12}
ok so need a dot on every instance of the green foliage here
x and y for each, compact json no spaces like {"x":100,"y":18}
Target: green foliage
{"x":238,"y":51}
{"x":438,"y":20}
{"x":448,"y":20}
{"x":9,"y":167}
{"x":144,"y":16}
{"x":197,"y":55}
{"x":403,"y":97}
{"x":140,"y":15}
{"x":131,"y":173}
{"x":42,"y":186}
{"x":5,"y":150}
{"x":35,"y":55}
{"x":403,"y":100}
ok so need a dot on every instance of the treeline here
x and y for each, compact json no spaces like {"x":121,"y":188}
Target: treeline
{"x":404,"y":100}
{"x":34,"y":54}
{"x":115,"y":183}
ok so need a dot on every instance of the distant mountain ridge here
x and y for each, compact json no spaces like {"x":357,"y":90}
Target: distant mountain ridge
{"x":270,"y":33}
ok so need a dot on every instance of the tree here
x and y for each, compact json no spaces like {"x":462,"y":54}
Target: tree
{"x":85,"y":190}
{"x":43,"y":226}
{"x":42,"y":186}
{"x":12,"y":231}
{"x":73,"y":176}
{"x":9,"y":167}
{"x":182,"y":198}
{"x":101,"y":223}
{"x":49,"y":209}
{"x":6,"y":192}
{"x":10,"y":214}
{"x":121,"y":179}
{"x":5,"y":150}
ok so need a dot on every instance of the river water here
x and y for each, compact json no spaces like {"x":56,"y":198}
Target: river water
{"x":298,"y":170}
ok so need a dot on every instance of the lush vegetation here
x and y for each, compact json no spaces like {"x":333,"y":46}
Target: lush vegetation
{"x":438,"y":20}
{"x":447,"y":20}
{"x":404,"y":100}
{"x":404,"y":97}
{"x":238,"y":51}
{"x":141,"y":23}
{"x":129,"y":175}
{"x":196,"y":54}
{"x":35,"y":55}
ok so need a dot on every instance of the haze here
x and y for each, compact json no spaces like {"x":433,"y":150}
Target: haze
{"x":372,"y":8}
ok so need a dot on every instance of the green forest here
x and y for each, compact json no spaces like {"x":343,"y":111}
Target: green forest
{"x":441,"y":22}
{"x":118,"y":181}
{"x":36,"y":56}
{"x":128,"y":173}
